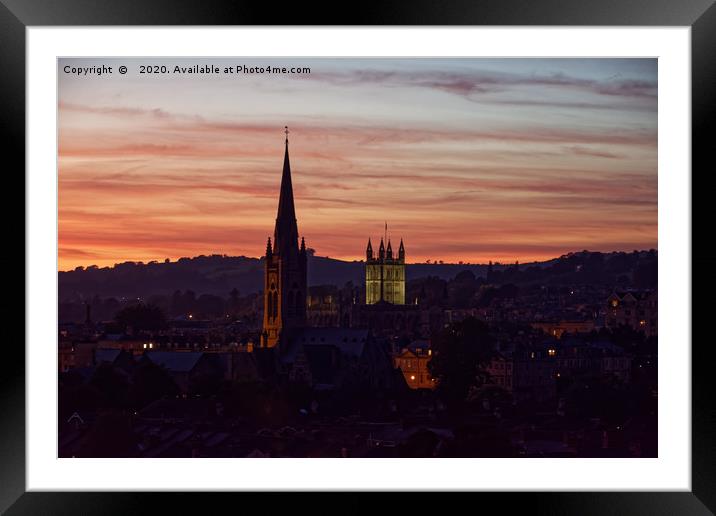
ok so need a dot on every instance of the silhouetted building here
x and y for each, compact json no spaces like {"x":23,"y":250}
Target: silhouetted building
{"x":285,"y":276}
{"x":324,"y":306}
{"x":574,"y":357}
{"x":118,"y":358}
{"x":187,"y":366}
{"x":389,"y":320}
{"x":559,"y":328}
{"x":529,"y":376}
{"x":638,"y":310}
{"x":326,"y":358}
{"x":385,"y":275}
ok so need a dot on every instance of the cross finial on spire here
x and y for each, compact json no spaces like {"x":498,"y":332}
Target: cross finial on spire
{"x":285,"y":130}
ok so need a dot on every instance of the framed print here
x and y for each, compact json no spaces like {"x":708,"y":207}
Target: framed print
{"x":432,"y":251}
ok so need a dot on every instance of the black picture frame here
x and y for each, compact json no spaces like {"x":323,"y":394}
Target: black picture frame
{"x":700,"y":15}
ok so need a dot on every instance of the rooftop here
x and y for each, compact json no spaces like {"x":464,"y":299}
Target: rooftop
{"x":175,"y":361}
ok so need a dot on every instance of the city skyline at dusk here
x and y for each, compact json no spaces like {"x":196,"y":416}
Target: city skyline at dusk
{"x":466,"y":159}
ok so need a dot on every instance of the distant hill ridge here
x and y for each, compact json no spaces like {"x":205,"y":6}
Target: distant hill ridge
{"x":218,"y":274}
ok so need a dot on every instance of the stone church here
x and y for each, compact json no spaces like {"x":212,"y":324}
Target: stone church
{"x":285,"y":283}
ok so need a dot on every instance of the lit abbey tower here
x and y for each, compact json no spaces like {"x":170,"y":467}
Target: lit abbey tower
{"x":385,"y":275}
{"x":285,"y":276}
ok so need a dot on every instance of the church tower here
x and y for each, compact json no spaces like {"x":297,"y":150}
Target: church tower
{"x":385,"y":274}
{"x":285,"y":273}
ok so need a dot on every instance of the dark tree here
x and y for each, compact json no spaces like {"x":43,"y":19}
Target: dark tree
{"x":465,"y":277}
{"x":483,"y":440}
{"x":163,"y":302}
{"x":110,"y":306}
{"x":490,"y":397}
{"x":625,"y":337}
{"x":150,"y":382}
{"x":609,"y":399}
{"x":209,"y":305}
{"x":422,"y":443}
{"x":508,"y":291}
{"x":646,"y":273}
{"x":111,"y":384}
{"x":205,"y":384}
{"x":175,"y":304}
{"x":485,"y":295}
{"x":459,"y":352}
{"x":77,"y":398}
{"x":234,"y":301}
{"x":110,"y":436}
{"x":462,"y":289}
{"x":141,"y":317}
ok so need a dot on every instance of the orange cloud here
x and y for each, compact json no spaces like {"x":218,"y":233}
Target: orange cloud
{"x":147,"y":182}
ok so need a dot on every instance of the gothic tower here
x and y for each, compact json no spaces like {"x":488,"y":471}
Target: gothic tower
{"x":385,"y":275}
{"x":285,"y":274}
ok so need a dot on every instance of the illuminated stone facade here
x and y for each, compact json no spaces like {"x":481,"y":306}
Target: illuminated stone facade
{"x":413,"y":363}
{"x":385,"y":275}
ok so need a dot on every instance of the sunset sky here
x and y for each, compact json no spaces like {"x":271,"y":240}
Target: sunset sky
{"x":466,"y":159}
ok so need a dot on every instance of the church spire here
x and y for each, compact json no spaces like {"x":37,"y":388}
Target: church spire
{"x":285,"y":284}
{"x":369,"y":251}
{"x":286,"y":231}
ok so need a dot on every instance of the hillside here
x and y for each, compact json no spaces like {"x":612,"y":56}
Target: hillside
{"x":219,"y":274}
